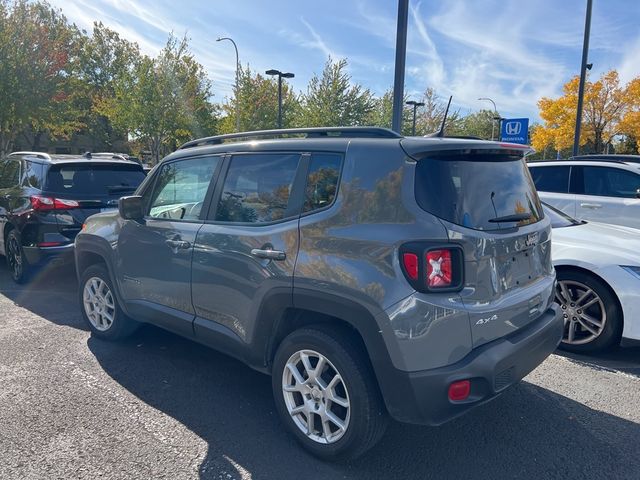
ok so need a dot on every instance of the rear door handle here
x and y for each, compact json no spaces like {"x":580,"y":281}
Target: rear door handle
{"x":269,"y":254}
{"x":592,"y":206}
{"x":178,"y":244}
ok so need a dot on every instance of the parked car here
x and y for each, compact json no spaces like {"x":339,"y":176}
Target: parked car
{"x":369,"y":274}
{"x":597,"y":190}
{"x":598,"y":268}
{"x":44,"y":200}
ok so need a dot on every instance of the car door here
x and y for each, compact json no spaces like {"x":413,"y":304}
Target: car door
{"x":155,"y":254}
{"x":552,"y":184}
{"x":607,"y":195}
{"x":247,"y":249}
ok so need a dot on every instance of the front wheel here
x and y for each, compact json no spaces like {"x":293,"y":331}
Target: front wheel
{"x":100,"y":307}
{"x":326,"y":393}
{"x":16,"y":261}
{"x":592,"y":314}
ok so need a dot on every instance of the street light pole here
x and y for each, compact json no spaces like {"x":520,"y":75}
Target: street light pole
{"x":237,"y":80}
{"x":495,"y":111}
{"x":583,"y":75}
{"x":415,"y":107}
{"x":280,"y":77}
{"x":401,"y":57}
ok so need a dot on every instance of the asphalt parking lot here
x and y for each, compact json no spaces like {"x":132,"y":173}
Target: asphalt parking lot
{"x":158,"y":406}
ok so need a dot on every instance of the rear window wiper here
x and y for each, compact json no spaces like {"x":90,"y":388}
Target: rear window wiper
{"x":516,"y":217}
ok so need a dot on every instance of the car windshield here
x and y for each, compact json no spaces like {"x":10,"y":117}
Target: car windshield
{"x":558,"y":218}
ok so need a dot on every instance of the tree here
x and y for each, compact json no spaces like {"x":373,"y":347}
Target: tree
{"x":38,"y":51}
{"x":479,"y":124}
{"x":429,"y":117}
{"x":163,"y":101}
{"x":332,"y":100}
{"x":606,"y":103}
{"x":630,"y":123}
{"x":256,"y":98}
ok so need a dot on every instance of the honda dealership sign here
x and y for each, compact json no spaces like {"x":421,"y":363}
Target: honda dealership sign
{"x":515,"y":130}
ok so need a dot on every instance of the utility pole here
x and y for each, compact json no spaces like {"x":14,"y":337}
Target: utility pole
{"x":495,"y":111}
{"x":401,"y":57}
{"x":415,"y":106}
{"x":583,"y":76}
{"x":237,"y":80}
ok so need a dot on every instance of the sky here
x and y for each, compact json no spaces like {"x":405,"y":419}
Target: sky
{"x":513,"y":51}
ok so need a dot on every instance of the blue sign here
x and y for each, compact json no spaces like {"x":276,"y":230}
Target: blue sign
{"x":515,"y":130}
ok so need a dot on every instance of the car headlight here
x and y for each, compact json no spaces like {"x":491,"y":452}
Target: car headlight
{"x":635,"y":271}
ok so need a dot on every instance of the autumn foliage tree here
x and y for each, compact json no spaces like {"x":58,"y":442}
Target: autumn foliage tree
{"x":608,"y":112}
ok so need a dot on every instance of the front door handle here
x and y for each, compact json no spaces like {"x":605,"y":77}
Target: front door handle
{"x":269,"y":254}
{"x":178,"y":244}
{"x":592,"y":206}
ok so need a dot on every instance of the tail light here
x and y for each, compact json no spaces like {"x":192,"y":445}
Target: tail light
{"x":43,"y":204}
{"x":431,"y":268}
{"x":460,"y":390}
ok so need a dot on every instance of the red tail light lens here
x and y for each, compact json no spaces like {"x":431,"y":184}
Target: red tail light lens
{"x":410,"y":262}
{"x":42,"y":204}
{"x":439,"y":271}
{"x":459,"y":391}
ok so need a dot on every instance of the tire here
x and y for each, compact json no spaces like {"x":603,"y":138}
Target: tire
{"x":605,"y":308}
{"x":17,"y":263}
{"x":100,"y":307}
{"x":364,"y":418}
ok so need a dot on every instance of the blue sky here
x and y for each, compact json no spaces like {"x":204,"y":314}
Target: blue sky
{"x":514,"y":51}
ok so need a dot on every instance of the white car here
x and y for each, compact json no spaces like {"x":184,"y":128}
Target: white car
{"x":596,"y":190}
{"x":598,"y":268}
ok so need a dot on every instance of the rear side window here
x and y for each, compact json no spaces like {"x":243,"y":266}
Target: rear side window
{"x":610,"y":182}
{"x":483,"y":192}
{"x":322,"y":181}
{"x":257,"y":188}
{"x":551,"y":179}
{"x":33,"y":175}
{"x":10,"y":174}
{"x":100,"y":180}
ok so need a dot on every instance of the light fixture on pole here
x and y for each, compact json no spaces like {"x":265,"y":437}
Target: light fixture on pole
{"x":219,"y":39}
{"x":280,"y":77}
{"x":415,"y":106}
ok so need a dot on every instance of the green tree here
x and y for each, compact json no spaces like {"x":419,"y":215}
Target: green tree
{"x":478,"y":124}
{"x":429,"y":117}
{"x":256,"y":98}
{"x":38,"y":51}
{"x":332,"y":100}
{"x":163,"y":101}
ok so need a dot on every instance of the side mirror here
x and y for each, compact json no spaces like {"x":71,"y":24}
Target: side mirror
{"x":130,"y":208}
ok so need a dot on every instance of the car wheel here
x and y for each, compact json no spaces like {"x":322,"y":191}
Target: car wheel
{"x":592,"y":314}
{"x":326,"y":393}
{"x":100,"y":307}
{"x":16,"y":261}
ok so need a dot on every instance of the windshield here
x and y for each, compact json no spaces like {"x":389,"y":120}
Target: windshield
{"x":483,"y":192}
{"x":94,"y":179}
{"x":559,"y":219}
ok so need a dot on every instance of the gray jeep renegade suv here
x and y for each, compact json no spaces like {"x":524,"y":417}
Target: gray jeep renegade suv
{"x":371,"y":275}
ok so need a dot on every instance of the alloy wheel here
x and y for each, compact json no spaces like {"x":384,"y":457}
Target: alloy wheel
{"x":583,"y":310}
{"x":99,"y":304}
{"x":14,"y":257}
{"x":316,"y":396}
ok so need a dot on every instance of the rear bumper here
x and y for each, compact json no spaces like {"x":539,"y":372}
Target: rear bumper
{"x":42,"y":255}
{"x":422,"y":397}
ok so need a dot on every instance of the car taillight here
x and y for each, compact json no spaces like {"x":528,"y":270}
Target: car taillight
{"x":41,"y":203}
{"x":439,"y":270}
{"x":433,"y":268}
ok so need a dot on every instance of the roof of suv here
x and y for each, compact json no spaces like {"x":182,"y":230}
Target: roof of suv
{"x":42,"y":157}
{"x":626,"y":165}
{"x":335,"y":138}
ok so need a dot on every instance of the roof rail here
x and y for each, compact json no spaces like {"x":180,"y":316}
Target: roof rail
{"x":319,"y":132}
{"x":607,"y":158}
{"x":114,"y":156}
{"x":42,"y":155}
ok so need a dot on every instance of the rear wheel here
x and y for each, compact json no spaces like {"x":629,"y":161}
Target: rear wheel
{"x":16,"y":261}
{"x":100,"y":307}
{"x":592,"y":314}
{"x":326,"y":394}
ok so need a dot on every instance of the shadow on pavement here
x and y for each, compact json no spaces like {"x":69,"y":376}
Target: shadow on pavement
{"x":623,"y":359}
{"x":529,"y":432}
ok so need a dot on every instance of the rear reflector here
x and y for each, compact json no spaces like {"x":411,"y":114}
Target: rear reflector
{"x":459,"y":390}
{"x":410,"y":262}
{"x":439,"y":273}
{"x":49,"y":244}
{"x":40,"y":203}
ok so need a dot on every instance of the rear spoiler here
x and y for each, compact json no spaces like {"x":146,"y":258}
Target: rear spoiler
{"x":418,"y":148}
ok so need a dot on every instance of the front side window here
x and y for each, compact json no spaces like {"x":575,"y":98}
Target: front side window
{"x":551,"y":179}
{"x":181,"y":188}
{"x":611,"y":182}
{"x":257,"y":188}
{"x":322,"y":181}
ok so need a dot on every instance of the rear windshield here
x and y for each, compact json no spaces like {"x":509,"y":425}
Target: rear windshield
{"x":94,"y":179}
{"x":483,"y":192}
